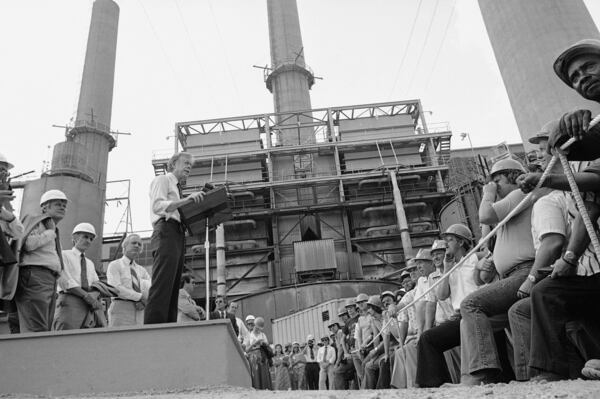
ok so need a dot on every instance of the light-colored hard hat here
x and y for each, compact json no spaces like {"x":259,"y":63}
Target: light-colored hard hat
{"x":545,"y":131}
{"x":439,"y":245}
{"x":84,"y":228}
{"x":334,"y":323}
{"x":404,"y":274}
{"x":310,"y":338}
{"x":387,"y":293}
{"x":374,"y":300}
{"x":4,"y":160}
{"x":249,"y":317}
{"x":410,"y":264}
{"x":561,"y":65}
{"x":506,"y":165}
{"x":361,"y":298}
{"x":459,"y":230}
{"x":423,"y":254}
{"x":350,"y":303}
{"x":295,"y":343}
{"x":342,"y":311}
{"x":52,"y":195}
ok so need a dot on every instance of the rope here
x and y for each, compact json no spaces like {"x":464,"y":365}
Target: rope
{"x":525,"y":203}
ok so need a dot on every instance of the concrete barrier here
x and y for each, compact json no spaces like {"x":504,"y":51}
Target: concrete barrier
{"x":127,"y":359}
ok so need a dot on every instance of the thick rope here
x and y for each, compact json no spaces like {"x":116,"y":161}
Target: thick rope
{"x":518,"y":209}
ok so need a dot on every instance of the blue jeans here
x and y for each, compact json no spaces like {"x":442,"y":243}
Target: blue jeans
{"x":519,"y":316}
{"x":476,"y":310}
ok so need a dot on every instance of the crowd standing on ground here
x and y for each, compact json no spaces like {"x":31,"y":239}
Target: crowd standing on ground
{"x":516,"y":309}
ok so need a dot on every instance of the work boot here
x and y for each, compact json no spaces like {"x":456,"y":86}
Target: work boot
{"x":591,"y":369}
{"x":480,"y":377}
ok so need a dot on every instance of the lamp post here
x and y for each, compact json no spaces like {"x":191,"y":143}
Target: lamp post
{"x":464,"y":135}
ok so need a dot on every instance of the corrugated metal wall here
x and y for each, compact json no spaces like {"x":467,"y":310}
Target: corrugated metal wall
{"x":297,"y":326}
{"x":314,"y":255}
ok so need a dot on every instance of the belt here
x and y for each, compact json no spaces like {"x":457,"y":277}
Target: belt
{"x":162,"y":219}
{"x":44,"y":268}
{"x":123,"y":300}
{"x":518,"y":266}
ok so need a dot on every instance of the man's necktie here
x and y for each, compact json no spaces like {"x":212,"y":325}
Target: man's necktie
{"x":312,"y":354}
{"x":84,"y":280}
{"x":135,"y":281}
{"x":325,"y":355}
{"x":58,"y":249}
{"x":180,"y":190}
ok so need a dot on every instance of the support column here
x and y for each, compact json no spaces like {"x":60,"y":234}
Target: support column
{"x":431,"y":153}
{"x":221,"y":280}
{"x":401,"y":217}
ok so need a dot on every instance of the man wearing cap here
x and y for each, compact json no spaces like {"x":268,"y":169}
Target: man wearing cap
{"x":350,"y":344}
{"x":326,"y":360}
{"x":390,"y":335}
{"x":75,"y":299}
{"x":132,"y":281}
{"x":249,"y":320}
{"x":40,"y":264}
{"x":311,"y":369}
{"x":512,"y":260}
{"x":371,"y":362}
{"x":579,"y":68}
{"x":167,"y":241}
{"x":10,"y":226}
{"x":362,"y":334}
{"x":432,"y":367}
{"x":344,"y":366}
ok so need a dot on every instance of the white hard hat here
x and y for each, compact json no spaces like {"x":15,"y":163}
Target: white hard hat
{"x":4,"y":160}
{"x":52,"y":195}
{"x":439,"y":245}
{"x":506,"y":165}
{"x":459,"y":230}
{"x":249,"y":317}
{"x":310,"y":338}
{"x":84,"y":228}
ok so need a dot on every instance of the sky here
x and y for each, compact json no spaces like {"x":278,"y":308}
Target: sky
{"x":181,"y":60}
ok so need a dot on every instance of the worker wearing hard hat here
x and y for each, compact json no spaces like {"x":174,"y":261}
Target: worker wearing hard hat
{"x":10,"y":229}
{"x":132,"y":281}
{"x":40,"y":263}
{"x":167,"y":241}
{"x":75,"y":297}
{"x":512,"y":260}
{"x":435,"y":367}
{"x":362,"y":334}
{"x":579,"y":68}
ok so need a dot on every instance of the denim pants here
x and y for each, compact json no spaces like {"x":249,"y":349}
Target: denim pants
{"x":478,"y":346}
{"x":432,"y":369}
{"x":519,"y":317}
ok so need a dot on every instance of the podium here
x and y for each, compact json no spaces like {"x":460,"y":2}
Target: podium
{"x":200,"y":217}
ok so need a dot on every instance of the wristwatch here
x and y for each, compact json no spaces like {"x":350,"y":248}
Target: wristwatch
{"x":570,"y":258}
{"x":532,"y":278}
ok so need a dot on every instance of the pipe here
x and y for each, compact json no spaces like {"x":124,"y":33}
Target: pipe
{"x":242,"y":194}
{"x":231,"y":223}
{"x":377,"y":181}
{"x":233,"y":244}
{"x":220,"y":241}
{"x":387,"y":227}
{"x":382,"y":208}
{"x":401,"y":217}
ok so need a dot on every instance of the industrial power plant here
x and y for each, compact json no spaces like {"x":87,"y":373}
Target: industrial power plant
{"x":323,"y":204}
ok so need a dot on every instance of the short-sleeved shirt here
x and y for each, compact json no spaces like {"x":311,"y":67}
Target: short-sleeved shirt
{"x":462,"y":282}
{"x":408,"y":316}
{"x":514,"y":244}
{"x":443,"y":309}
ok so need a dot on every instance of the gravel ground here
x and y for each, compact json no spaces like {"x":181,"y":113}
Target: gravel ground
{"x":556,"y":390}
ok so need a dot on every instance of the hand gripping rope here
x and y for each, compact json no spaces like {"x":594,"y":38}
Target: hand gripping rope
{"x":518,"y":209}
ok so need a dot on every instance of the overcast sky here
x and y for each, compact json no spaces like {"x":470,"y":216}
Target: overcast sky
{"x":180,"y":60}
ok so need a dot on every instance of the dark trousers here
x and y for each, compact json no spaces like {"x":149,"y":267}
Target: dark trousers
{"x":36,"y":298}
{"x":167,"y":245}
{"x":311,"y":372}
{"x":555,"y":301}
{"x":432,"y":370}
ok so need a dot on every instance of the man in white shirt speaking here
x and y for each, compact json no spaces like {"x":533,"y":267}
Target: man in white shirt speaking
{"x":133,"y":283}
{"x":167,"y":243}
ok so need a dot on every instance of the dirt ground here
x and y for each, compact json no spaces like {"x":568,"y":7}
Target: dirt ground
{"x":556,"y":390}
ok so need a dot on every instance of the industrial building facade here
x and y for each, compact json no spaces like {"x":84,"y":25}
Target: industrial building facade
{"x":350,"y":193}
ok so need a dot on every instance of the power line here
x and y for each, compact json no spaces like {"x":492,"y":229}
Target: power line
{"x":439,"y":50}
{"x":410,"y":35}
{"x":195,"y":52}
{"x":223,"y":47}
{"x":437,"y":2}
{"x":165,"y":55}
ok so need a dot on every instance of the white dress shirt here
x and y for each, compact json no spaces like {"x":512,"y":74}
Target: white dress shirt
{"x":70,"y":277}
{"x":329,"y":356}
{"x":163,"y":191}
{"x":119,"y":276}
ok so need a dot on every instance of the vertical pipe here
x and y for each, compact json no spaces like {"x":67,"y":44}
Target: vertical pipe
{"x":221,"y":281}
{"x":207,"y":269}
{"x":434,"y":162}
{"x":401,"y":217}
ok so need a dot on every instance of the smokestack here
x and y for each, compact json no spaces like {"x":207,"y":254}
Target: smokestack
{"x":79,"y":165}
{"x":527,"y":36}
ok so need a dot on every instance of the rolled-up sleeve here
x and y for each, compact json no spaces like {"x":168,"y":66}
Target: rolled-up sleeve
{"x":159,"y":193}
{"x":14,"y":228}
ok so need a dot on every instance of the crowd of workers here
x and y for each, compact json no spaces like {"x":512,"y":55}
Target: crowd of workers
{"x":518,"y":308}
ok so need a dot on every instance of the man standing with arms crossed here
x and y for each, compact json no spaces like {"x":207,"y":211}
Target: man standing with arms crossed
{"x":167,"y":243}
